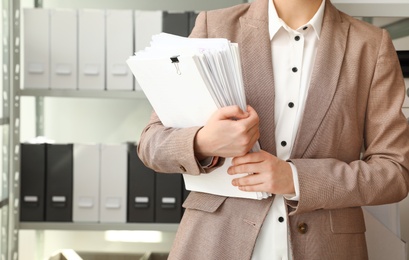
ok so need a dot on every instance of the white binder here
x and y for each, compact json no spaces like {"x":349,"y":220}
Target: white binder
{"x":64,"y":51}
{"x":113,"y":183}
{"x":86,"y":172}
{"x":406,"y":112}
{"x":119,"y":45}
{"x":406,"y":103}
{"x":143,"y":33}
{"x":91,"y":49}
{"x":36,"y":48}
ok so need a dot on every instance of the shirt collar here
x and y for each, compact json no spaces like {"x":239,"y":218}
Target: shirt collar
{"x":275,"y":22}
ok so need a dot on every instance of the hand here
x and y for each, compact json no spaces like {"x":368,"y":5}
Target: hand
{"x":229,"y":132}
{"x":270,"y":174}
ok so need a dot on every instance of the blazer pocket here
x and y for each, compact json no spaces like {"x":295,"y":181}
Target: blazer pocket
{"x":203,"y":201}
{"x":347,"y":220}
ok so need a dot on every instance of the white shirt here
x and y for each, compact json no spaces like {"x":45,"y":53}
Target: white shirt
{"x":293,"y":57}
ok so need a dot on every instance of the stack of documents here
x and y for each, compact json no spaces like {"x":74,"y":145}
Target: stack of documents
{"x":186,"y":80}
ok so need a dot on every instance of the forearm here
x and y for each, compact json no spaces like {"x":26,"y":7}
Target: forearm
{"x":333,"y":184}
{"x":168,"y":149}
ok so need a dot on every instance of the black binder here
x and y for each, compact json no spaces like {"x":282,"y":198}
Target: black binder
{"x":192,"y":21}
{"x":168,"y":202}
{"x":176,"y":23}
{"x":185,"y":193}
{"x":404,"y":62}
{"x":141,"y":189}
{"x":32,"y":186}
{"x":59,"y":182}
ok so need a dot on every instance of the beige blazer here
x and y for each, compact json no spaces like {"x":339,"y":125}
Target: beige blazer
{"x":353,"y":106}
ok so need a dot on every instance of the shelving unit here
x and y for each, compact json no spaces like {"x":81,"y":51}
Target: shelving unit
{"x":9,"y":202}
{"x":40,"y":96}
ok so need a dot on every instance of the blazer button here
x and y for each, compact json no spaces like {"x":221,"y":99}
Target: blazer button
{"x":302,"y":228}
{"x":182,"y":168}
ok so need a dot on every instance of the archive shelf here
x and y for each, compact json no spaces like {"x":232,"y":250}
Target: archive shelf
{"x":121,"y":94}
{"x":98,"y":226}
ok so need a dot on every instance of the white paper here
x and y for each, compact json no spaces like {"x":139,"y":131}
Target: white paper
{"x":186,"y":80}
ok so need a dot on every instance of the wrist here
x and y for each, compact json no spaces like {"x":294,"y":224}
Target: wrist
{"x":200,"y":149}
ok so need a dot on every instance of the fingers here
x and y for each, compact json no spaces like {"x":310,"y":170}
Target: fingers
{"x":249,"y":180}
{"x":252,"y":182}
{"x":240,"y":163}
{"x":235,"y":112}
{"x":224,"y":137}
{"x":267,"y":173}
{"x":231,"y":112}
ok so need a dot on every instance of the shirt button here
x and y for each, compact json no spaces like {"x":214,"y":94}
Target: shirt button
{"x":182,"y":168}
{"x":297,"y":38}
{"x":305,"y":28}
{"x":294,"y":69}
{"x":281,"y":219}
{"x":291,"y":105}
{"x":302,"y":228}
{"x":283,"y":143}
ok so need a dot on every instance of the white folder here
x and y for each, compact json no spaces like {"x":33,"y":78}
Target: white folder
{"x":113,"y":183}
{"x":147,"y":24}
{"x":406,"y":112}
{"x":91,"y":49}
{"x":36,"y":41}
{"x":406,"y":103}
{"x":64,"y":51}
{"x":143,"y":33}
{"x":86,"y":170}
{"x":119,"y":45}
{"x":183,"y":92}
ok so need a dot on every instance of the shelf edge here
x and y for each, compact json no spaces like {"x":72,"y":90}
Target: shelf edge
{"x":71,"y":226}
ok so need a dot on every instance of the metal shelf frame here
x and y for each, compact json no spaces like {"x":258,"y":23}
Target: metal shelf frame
{"x":14,"y":128}
{"x":7,"y":241}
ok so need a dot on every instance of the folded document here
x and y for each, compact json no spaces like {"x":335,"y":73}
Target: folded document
{"x":186,"y":80}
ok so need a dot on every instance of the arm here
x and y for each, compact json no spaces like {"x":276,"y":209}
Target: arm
{"x":382,"y":175}
{"x":176,"y":150}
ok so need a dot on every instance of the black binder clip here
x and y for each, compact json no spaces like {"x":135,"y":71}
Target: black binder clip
{"x":175,"y":61}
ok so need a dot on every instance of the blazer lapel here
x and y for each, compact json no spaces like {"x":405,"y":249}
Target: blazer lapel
{"x":324,"y":78}
{"x":255,"y":50}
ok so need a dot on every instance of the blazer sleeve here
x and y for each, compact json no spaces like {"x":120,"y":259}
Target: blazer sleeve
{"x":382,"y":174}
